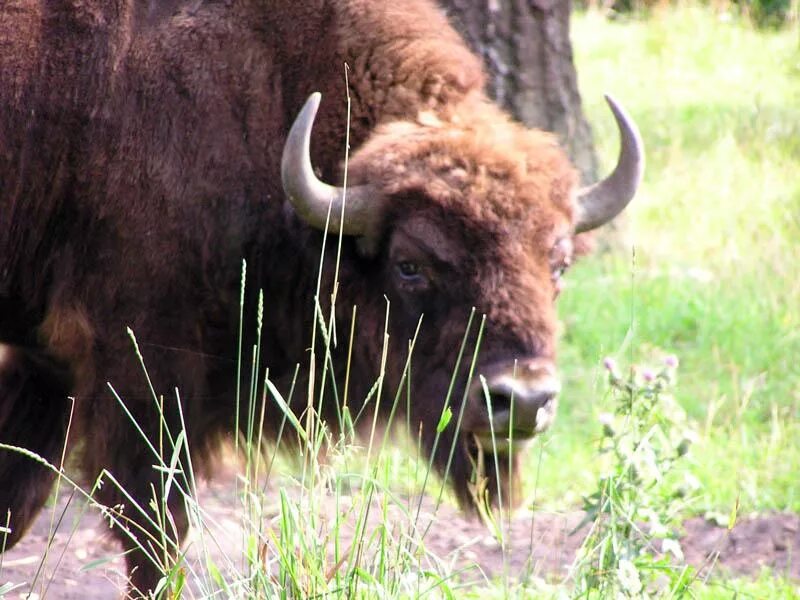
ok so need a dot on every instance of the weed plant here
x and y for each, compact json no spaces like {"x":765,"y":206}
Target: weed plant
{"x":632,"y":549}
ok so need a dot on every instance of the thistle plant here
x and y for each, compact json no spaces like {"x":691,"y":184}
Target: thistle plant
{"x":632,"y":550}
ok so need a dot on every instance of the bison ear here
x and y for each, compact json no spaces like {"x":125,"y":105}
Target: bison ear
{"x":350,"y":211}
{"x":601,"y":202}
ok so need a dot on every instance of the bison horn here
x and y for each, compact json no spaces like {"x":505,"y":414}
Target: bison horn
{"x":316,"y":202}
{"x":601,"y":202}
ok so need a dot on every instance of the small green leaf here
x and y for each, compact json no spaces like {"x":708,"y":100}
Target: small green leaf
{"x":215,"y":574}
{"x":447,"y":414}
{"x":100,"y":562}
{"x":290,"y":416}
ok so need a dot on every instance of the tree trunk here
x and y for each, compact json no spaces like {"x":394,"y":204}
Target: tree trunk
{"x":527,"y":51}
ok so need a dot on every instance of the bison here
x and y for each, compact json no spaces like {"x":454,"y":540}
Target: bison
{"x":147,"y":147}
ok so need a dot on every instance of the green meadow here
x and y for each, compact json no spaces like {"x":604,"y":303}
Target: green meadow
{"x":707,"y":262}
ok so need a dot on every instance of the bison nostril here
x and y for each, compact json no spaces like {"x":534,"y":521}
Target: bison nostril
{"x":499,"y":401}
{"x":502,"y":400}
{"x":515,"y":404}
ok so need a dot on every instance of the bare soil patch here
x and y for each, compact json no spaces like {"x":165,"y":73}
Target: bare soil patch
{"x":84,"y":563}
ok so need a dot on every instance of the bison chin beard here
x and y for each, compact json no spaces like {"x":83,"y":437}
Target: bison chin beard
{"x":481,"y":480}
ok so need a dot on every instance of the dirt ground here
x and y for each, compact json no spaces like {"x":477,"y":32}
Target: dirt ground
{"x":84,"y":562}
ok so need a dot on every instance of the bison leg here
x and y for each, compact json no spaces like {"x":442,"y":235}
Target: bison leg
{"x":145,"y":541}
{"x":34,"y":413}
{"x":124,"y":449}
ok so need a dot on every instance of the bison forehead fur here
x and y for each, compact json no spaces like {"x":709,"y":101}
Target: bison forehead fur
{"x":476,"y":162}
{"x":140,"y":161}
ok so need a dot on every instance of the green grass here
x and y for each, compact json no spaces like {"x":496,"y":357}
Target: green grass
{"x":716,"y":229}
{"x":767,"y":585}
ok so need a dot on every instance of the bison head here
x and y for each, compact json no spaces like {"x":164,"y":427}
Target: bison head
{"x":459,"y":213}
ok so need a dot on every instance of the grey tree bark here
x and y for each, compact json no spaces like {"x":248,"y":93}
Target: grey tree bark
{"x":526,"y":47}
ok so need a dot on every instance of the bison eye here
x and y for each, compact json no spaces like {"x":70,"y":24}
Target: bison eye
{"x":408,"y":269}
{"x":410,"y":272}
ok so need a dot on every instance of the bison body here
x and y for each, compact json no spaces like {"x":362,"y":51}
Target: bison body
{"x":141,"y":148}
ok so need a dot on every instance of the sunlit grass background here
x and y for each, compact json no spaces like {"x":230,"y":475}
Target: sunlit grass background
{"x":709,"y":267}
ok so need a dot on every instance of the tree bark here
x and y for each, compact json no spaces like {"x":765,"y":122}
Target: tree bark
{"x":526,"y":47}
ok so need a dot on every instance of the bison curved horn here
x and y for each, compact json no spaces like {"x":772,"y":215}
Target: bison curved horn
{"x":601,"y":202}
{"x":316,"y":202}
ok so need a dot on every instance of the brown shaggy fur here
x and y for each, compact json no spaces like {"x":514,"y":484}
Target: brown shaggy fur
{"x":140,"y":145}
